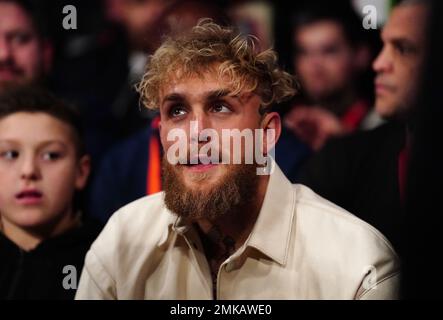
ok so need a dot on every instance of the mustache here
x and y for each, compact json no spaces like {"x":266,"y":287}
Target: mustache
{"x":385,"y":83}
{"x":10,"y":66}
{"x":202,"y":157}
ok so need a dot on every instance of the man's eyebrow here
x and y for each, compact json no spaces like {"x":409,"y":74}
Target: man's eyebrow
{"x":210,"y":95}
{"x":20,"y":32}
{"x":400,"y":41}
{"x":218,"y":94}
{"x":173,"y":97}
{"x":405,"y":44}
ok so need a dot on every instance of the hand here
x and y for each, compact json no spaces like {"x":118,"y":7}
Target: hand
{"x":313,"y":125}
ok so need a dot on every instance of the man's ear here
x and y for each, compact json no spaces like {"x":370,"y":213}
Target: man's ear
{"x":160,"y":132}
{"x":83,"y":170}
{"x":48,"y":56}
{"x":362,"y":57}
{"x":270,"y":121}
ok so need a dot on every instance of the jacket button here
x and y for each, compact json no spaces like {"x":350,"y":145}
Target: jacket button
{"x":229,"y":266}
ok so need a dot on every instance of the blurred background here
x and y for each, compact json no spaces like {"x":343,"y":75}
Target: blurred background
{"x":96,"y":65}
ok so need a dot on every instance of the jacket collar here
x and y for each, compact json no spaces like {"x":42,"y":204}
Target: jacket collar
{"x":271,"y":234}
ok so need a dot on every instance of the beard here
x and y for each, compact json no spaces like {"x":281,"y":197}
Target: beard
{"x":233,"y":193}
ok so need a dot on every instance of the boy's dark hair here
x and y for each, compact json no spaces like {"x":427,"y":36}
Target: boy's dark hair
{"x":38,"y":100}
{"x":342,"y":14}
{"x":35,"y":12}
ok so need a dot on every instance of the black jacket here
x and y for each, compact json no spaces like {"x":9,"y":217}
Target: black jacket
{"x":360,"y":173}
{"x":38,"y":274}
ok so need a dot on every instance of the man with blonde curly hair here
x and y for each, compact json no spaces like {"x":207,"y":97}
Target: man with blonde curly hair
{"x":224,"y":230}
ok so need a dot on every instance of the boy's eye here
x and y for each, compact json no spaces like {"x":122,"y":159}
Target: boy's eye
{"x":10,"y":154}
{"x":51,"y":155}
{"x":220,"y":108}
{"x":177,"y":111}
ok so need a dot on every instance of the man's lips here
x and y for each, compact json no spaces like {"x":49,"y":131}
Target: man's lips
{"x":30,"y":196}
{"x":200,"y":163}
{"x":8,"y":74}
{"x":200,"y":167}
{"x":381,"y":87}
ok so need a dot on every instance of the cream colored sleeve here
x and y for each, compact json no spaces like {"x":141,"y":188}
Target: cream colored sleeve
{"x":95,"y":281}
{"x":386,"y":289}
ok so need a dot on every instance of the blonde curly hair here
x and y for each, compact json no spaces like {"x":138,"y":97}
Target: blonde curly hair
{"x":237,"y":61}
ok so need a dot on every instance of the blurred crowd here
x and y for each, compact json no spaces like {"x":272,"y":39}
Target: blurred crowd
{"x":347,"y":135}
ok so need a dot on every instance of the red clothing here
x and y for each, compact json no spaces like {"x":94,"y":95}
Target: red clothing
{"x":153,"y":176}
{"x":354,"y":115}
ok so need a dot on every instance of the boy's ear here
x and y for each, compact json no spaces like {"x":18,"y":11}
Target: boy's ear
{"x":271,"y":121}
{"x":83,"y":170}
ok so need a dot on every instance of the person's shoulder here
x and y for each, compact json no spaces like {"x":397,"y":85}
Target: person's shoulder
{"x":132,"y":237}
{"x":336,"y":242}
{"x":139,"y":224}
{"x":358,"y":148}
{"x":363,"y":139}
{"x":147,"y":212}
{"x":334,"y":226}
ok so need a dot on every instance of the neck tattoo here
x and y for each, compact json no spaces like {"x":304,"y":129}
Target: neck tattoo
{"x":218,"y":247}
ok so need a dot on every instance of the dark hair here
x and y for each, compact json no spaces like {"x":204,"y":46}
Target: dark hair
{"x":38,"y":100}
{"x":35,"y":13}
{"x":342,"y":14}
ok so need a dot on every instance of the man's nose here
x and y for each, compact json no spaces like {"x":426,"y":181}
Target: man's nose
{"x":199,"y":123}
{"x":5,"y":50}
{"x":383,"y":61}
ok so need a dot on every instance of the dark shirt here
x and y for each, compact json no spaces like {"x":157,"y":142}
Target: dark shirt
{"x":360,"y":173}
{"x":40,"y":273}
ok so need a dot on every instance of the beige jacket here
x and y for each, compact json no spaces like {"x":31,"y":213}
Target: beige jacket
{"x":301,"y":247}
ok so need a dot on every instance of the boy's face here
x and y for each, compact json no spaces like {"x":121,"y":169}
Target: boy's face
{"x":39,"y":169}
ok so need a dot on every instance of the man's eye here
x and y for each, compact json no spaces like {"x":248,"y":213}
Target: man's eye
{"x":10,"y":154}
{"x":21,"y":38}
{"x":301,"y":52}
{"x":405,"y":49}
{"x":51,"y":155}
{"x":401,"y":49}
{"x":177,"y":111}
{"x":332,"y":50}
{"x":220,"y":108}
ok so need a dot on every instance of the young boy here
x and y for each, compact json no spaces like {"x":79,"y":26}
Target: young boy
{"x":43,"y":165}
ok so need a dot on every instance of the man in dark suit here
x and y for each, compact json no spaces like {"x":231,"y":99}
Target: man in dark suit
{"x":365,"y":173}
